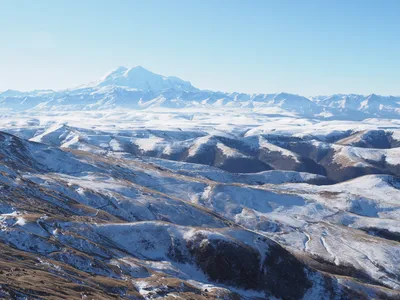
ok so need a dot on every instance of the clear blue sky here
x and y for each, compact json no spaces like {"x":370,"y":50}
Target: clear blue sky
{"x":307,"y":47}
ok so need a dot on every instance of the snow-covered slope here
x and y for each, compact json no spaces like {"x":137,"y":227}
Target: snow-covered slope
{"x":144,"y":233}
{"x":145,"y":204}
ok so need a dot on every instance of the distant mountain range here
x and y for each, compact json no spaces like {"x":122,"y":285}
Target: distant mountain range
{"x":138,"y":88}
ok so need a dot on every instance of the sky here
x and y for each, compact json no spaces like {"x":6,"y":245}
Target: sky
{"x":309,"y":47}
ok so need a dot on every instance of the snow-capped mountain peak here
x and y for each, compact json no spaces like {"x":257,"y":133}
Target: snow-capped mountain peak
{"x":142,"y":79}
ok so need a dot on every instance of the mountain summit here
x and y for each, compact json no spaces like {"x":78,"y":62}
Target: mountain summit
{"x":143,"y":79}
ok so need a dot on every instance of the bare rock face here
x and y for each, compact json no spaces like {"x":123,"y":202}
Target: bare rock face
{"x":228,"y":263}
{"x":280,"y":271}
{"x":277,"y":272}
